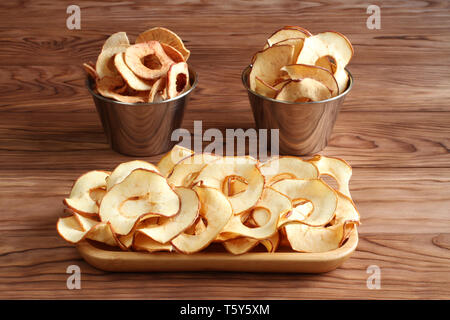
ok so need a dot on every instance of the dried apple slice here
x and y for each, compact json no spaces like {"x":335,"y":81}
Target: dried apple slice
{"x":272,"y":242}
{"x":80,"y":199}
{"x":144,"y":221}
{"x":158,"y":86}
{"x":169,"y":228}
{"x":323,"y":198}
{"x":297,"y":43}
{"x":272,"y":203}
{"x":173,"y":53}
{"x":109,"y":87}
{"x":168,"y":161}
{"x":304,"y":238}
{"x":346,"y":210}
{"x":267,"y":64}
{"x":233,"y":186}
{"x":186,"y":171}
{"x":131,"y":79}
{"x":177,"y":79}
{"x":337,"y":168}
{"x":302,"y":71}
{"x":216,"y":210}
{"x":265,"y":89}
{"x":299,"y":90}
{"x":105,"y":62}
{"x":90,"y":70}
{"x":143,"y":243}
{"x":116,"y":40}
{"x":165,"y":36}
{"x":136,"y":55}
{"x":240,"y":245}
{"x":287,"y":33}
{"x":216,"y":173}
{"x":124,"y":169}
{"x":332,"y":45}
{"x":141,"y":192}
{"x":70,"y":229}
{"x":299,"y":213}
{"x":288,"y":167}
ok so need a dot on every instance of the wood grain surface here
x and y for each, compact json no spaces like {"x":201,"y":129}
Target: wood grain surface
{"x":394,"y":129}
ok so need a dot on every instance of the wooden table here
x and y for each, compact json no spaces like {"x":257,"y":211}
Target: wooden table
{"x":394,"y":130}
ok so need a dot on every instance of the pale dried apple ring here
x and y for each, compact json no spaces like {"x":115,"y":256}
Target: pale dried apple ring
{"x":267,"y":64}
{"x":135,"y":54}
{"x":302,"y":71}
{"x":173,"y":53}
{"x":186,"y":170}
{"x":80,"y":199}
{"x":298,"y":214}
{"x":124,"y":169}
{"x":131,"y":79}
{"x":287,"y":33}
{"x":216,"y":210}
{"x":264,"y":88}
{"x":301,"y":90}
{"x":273,"y":203}
{"x":116,"y":40}
{"x":304,"y":238}
{"x":90,"y":70}
{"x":109,"y":87}
{"x":166,"y":36}
{"x":141,"y":192}
{"x":143,"y":243}
{"x":169,"y":228}
{"x":337,"y":168}
{"x":69,"y":229}
{"x":144,"y":221}
{"x":105,"y":62}
{"x":323,"y":198}
{"x":240,"y":245}
{"x":158,"y":86}
{"x":168,"y":161}
{"x":215,"y":173}
{"x":288,"y":167}
{"x":177,"y":79}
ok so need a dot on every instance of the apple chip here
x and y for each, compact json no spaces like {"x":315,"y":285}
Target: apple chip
{"x":144,"y":221}
{"x":287,"y":33}
{"x":165,"y":36}
{"x":109,"y":87}
{"x":156,"y":89}
{"x":284,"y":167}
{"x":80,"y":199}
{"x":273,"y":204}
{"x":297,"y":43}
{"x":216,"y":210}
{"x":186,"y":171}
{"x":267,"y":64}
{"x":131,"y":79}
{"x":301,"y":90}
{"x":240,"y":245}
{"x":337,"y":168}
{"x":69,"y":229}
{"x":216,"y":173}
{"x":173,"y":53}
{"x":177,"y":79}
{"x":323,"y":198}
{"x":105,"y":61}
{"x":142,"y":192}
{"x":118,"y":39}
{"x":265,"y":89}
{"x":302,"y":71}
{"x":90,"y":70}
{"x":137,"y":55}
{"x":168,"y":161}
{"x":143,"y":243}
{"x":124,"y":169}
{"x":169,"y":228}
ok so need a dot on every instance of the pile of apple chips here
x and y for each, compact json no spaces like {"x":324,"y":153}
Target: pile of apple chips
{"x":153,"y":69}
{"x":190,"y":200}
{"x":297,"y":66}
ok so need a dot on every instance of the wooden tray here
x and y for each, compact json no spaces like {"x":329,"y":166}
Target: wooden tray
{"x":123,"y":261}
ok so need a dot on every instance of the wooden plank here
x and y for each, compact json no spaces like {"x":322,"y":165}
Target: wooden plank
{"x":37,"y":269}
{"x":413,"y":139}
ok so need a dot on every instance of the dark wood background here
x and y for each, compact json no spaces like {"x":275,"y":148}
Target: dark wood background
{"x":394,"y":130}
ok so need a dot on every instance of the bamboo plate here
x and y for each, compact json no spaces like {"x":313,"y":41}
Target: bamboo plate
{"x":295,"y":262}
